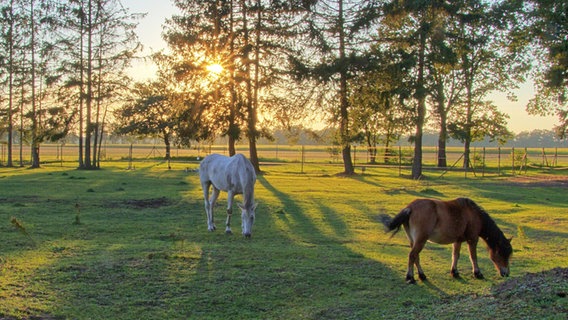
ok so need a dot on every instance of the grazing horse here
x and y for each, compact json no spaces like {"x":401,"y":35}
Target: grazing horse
{"x":235,"y":175}
{"x":446,"y":222}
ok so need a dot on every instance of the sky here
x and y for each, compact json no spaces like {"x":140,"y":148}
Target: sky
{"x":150,"y":35}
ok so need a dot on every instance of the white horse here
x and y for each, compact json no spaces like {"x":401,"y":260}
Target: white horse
{"x":235,"y":175}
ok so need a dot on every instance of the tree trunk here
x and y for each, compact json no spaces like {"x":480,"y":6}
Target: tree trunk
{"x":442,"y":138}
{"x":466,"y":151}
{"x":22,"y":99}
{"x":81,"y":90}
{"x":468,"y":124}
{"x":232,"y":149}
{"x":34,"y":137}
{"x":421,"y":110}
{"x":101,"y":135}
{"x":89,"y":100}
{"x":388,"y":152}
{"x":250,"y":103}
{"x":344,"y":103}
{"x":233,"y":131}
{"x":9,"y":162}
{"x":168,"y":145}
{"x":253,"y":116}
{"x":371,"y":148}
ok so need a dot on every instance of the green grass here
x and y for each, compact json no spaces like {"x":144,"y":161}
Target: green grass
{"x":133,"y":244}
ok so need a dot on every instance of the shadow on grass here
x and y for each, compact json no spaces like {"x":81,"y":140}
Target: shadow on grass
{"x":326,"y":279}
{"x":161,"y":262}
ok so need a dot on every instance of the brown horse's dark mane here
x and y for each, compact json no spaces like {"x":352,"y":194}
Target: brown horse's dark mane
{"x":490,"y":232}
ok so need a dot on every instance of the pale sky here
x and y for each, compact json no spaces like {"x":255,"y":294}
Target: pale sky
{"x":150,"y":34}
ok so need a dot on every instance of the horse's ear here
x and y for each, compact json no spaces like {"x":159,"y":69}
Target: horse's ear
{"x":510,"y":239}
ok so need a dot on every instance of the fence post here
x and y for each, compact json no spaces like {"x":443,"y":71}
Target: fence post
{"x":302,"y":158}
{"x":130,"y":157}
{"x":525,"y":158}
{"x":61,"y":155}
{"x":354,"y":155}
{"x":399,"y":161}
{"x":483,"y":164}
{"x":498,"y":161}
{"x":513,"y":164}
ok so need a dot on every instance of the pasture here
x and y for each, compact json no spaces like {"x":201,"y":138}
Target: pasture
{"x":134,"y":244}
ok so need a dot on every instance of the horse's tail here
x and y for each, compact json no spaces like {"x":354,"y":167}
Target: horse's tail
{"x":395,"y":223}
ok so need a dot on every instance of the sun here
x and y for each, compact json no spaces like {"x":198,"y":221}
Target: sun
{"x":215,"y":68}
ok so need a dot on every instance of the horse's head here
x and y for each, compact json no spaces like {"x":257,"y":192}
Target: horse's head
{"x":247,"y":218}
{"x":500,"y":256}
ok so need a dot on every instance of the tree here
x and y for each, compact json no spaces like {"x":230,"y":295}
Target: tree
{"x":150,"y":113}
{"x":486,"y":65}
{"x":39,"y":24}
{"x":336,"y":35}
{"x":157,"y":109}
{"x":445,"y":85}
{"x":378,"y":100}
{"x":245,"y":39}
{"x":94,"y":69}
{"x":8,"y":25}
{"x":201,"y":37}
{"x":409,"y":30}
{"x":547,"y":27}
{"x":475,"y":122}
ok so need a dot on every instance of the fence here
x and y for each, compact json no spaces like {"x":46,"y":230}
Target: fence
{"x":483,"y":160}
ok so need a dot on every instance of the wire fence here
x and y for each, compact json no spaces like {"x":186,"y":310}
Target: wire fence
{"x":483,"y":160}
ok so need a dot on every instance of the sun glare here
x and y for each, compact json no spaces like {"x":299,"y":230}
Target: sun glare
{"x":215,"y":68}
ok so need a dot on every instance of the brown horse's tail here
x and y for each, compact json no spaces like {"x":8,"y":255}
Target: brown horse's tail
{"x":395,"y":223}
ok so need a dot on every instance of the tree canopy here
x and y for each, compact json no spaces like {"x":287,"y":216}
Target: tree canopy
{"x":372,"y":70}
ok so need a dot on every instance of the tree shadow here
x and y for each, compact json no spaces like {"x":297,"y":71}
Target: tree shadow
{"x":161,"y":262}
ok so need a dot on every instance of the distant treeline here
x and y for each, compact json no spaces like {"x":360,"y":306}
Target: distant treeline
{"x":305,"y":136}
{"x":530,"y":139}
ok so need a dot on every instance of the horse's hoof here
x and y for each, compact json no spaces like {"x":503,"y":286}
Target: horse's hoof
{"x":478,"y":275}
{"x":422,"y":276}
{"x":455,"y":274}
{"x":229,"y":232}
{"x":410,"y":280}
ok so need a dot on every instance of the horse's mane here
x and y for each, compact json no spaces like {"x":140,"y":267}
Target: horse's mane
{"x":490,"y":232}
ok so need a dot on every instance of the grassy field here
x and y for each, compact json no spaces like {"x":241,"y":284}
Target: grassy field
{"x":133,"y":244}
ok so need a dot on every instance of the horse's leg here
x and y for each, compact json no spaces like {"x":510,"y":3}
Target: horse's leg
{"x":230,"y":197}
{"x":212,"y":200}
{"x":455,"y":257}
{"x":205,"y":186}
{"x":414,"y":259}
{"x":472,"y":246}
{"x":421,"y":273}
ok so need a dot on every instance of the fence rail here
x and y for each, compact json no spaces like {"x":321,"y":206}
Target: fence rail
{"x":482,"y":160}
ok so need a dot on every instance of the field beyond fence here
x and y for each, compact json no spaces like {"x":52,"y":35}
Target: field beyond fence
{"x":483,"y":160}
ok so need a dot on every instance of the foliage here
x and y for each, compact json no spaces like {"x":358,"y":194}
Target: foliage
{"x":364,"y":65}
{"x":487,"y":121}
{"x":542,"y":29}
{"x":335,"y":33}
{"x":378,"y":111}
{"x":65,"y":63}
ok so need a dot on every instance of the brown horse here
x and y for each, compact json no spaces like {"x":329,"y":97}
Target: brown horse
{"x":446,"y":222}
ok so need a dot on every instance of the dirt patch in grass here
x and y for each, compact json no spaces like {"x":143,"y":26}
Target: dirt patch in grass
{"x":538,"y":181}
{"x":541,"y":295}
{"x":151,"y":203}
{"x":552,"y":283}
